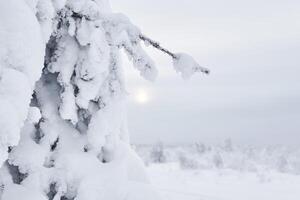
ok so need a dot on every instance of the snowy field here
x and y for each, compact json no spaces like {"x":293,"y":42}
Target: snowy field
{"x":196,"y":173}
{"x":173,"y":183}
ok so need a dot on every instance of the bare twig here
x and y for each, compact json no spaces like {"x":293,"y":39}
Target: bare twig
{"x":157,"y":46}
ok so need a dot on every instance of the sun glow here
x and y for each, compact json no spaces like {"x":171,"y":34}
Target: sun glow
{"x":142,"y":96}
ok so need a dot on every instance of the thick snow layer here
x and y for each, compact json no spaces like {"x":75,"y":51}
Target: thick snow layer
{"x":22,"y":50}
{"x":76,"y":173}
{"x":17,"y":192}
{"x":186,"y":65}
{"x":173,"y":183}
{"x":22,"y":46}
{"x":34,"y":115}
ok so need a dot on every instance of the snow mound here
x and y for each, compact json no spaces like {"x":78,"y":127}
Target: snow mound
{"x":22,"y":51}
{"x":14,"y":192}
{"x":186,"y":65}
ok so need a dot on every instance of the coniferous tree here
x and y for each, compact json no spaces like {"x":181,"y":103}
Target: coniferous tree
{"x":65,"y":136}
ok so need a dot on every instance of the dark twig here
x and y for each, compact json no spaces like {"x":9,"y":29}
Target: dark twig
{"x":157,"y":46}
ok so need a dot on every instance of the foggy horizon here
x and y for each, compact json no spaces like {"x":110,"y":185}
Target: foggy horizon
{"x":253,"y":92}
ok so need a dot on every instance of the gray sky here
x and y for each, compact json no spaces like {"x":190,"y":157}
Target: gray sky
{"x":253,"y":50}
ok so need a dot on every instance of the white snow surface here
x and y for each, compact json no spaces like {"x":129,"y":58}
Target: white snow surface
{"x":15,"y":192}
{"x":194,"y":172}
{"x":22,"y":51}
{"x":175,"y":183}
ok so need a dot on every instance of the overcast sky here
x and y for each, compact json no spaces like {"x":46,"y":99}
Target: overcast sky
{"x":253,"y":50}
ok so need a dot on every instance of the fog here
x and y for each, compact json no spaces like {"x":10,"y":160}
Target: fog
{"x":253,"y":92}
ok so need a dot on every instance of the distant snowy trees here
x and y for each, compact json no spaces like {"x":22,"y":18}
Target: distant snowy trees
{"x":226,"y":156}
{"x":65,"y":136}
{"x":157,"y":153}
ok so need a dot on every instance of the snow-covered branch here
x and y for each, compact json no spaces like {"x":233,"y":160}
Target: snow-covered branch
{"x":118,"y":23}
{"x":178,"y":58}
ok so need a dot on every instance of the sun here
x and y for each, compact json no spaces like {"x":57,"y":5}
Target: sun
{"x":142,"y":96}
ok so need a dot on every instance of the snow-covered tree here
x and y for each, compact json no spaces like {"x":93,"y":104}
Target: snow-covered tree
{"x":157,"y":153}
{"x":65,"y":136}
{"x":227,"y":145}
{"x":200,"y":147}
{"x":218,"y":160}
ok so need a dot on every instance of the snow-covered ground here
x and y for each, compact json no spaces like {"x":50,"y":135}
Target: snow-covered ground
{"x":175,"y":183}
{"x":223,"y":171}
